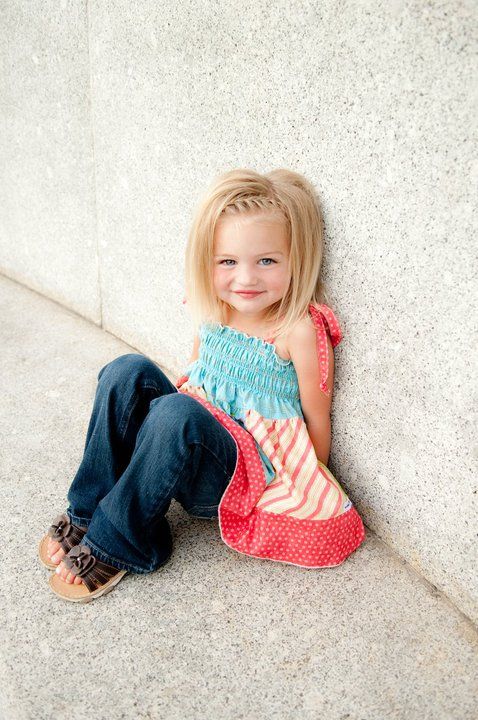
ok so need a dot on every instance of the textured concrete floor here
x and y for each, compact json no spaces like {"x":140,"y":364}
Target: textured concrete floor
{"x":213,"y":633}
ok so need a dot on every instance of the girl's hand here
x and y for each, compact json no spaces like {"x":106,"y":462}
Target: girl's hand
{"x":181,"y":380}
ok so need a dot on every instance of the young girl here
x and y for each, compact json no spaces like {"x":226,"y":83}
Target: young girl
{"x":244,"y":435}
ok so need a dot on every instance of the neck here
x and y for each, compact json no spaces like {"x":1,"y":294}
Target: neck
{"x":252,"y":325}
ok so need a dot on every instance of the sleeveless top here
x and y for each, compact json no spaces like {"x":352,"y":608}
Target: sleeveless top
{"x":282,"y":503}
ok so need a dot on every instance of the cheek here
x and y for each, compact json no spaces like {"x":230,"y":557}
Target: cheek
{"x":220,"y":277}
{"x":281,"y":278}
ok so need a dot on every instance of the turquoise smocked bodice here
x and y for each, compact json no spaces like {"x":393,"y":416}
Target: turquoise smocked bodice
{"x":239,"y":372}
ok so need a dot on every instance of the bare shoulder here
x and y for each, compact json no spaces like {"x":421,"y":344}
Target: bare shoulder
{"x":302,"y":332}
{"x":302,"y":345}
{"x":303,"y":326}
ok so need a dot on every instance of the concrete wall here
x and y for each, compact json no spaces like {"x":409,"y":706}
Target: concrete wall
{"x":116,"y":115}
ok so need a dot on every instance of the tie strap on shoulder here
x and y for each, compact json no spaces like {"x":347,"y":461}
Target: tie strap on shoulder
{"x":325,"y":322}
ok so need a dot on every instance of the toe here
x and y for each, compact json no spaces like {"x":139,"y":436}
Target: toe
{"x":57,"y":556}
{"x":62,"y":571}
{"x":53,"y":546}
{"x":66,"y":575}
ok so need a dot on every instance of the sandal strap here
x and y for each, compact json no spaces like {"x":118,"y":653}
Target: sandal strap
{"x":82,"y":563}
{"x":65,"y":532}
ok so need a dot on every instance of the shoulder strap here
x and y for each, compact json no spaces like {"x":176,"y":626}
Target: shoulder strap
{"x":325,"y":322}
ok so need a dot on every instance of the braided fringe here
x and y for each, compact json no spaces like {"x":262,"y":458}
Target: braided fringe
{"x":99,"y":575}
{"x":74,"y":538}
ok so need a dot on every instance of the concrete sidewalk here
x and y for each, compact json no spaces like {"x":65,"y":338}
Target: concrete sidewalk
{"x":213,"y":633}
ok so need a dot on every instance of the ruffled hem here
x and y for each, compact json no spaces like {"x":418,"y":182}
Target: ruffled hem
{"x":276,"y":536}
{"x":306,"y":543}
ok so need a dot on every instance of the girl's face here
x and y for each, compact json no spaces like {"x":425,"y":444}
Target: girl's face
{"x":251,"y":253}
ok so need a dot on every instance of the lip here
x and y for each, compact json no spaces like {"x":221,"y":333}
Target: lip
{"x":248,"y":294}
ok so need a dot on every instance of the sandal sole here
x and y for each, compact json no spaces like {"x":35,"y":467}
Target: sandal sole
{"x":43,"y":554}
{"x":80,"y":593}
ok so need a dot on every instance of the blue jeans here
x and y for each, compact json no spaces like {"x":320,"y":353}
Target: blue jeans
{"x":146,"y":444}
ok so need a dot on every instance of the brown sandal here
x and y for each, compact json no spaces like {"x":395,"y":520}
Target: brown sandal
{"x":63,"y":531}
{"x":98,"y":577}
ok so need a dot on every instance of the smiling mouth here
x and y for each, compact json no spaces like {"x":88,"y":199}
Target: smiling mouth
{"x":245,"y":292}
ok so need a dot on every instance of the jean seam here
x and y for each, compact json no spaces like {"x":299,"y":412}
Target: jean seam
{"x":78,"y":520}
{"x":203,"y":507}
{"x":123,"y":425}
{"x":211,"y":452}
{"x":154,"y":517}
{"x":226,"y":473}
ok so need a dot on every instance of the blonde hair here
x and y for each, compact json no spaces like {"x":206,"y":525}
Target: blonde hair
{"x":244,"y":191}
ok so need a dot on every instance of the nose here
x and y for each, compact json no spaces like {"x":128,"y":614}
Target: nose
{"x":245,"y":279}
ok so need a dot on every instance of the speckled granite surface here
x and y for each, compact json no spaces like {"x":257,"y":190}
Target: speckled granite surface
{"x":213,"y":633}
{"x":117,"y":115}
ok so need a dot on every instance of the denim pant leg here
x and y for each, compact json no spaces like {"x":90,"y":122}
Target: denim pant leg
{"x":125,"y":389}
{"x":182,"y":451}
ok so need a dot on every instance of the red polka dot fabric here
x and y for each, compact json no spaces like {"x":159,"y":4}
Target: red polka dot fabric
{"x":325,"y":321}
{"x":248,"y":523}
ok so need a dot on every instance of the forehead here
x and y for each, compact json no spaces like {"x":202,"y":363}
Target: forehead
{"x":259,"y":232}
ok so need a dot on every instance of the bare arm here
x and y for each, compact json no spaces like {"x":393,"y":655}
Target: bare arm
{"x":194,"y":356}
{"x":195,"y":350}
{"x":315,"y":404}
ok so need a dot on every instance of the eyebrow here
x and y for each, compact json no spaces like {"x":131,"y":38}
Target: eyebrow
{"x":272,"y":252}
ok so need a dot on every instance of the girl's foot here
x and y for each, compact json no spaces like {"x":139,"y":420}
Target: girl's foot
{"x":63,"y":529}
{"x":97,"y":577}
{"x":65,"y":574}
{"x":55,"y":551}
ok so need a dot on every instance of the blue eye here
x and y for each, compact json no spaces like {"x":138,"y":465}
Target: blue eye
{"x":271,"y":259}
{"x":231,"y":260}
